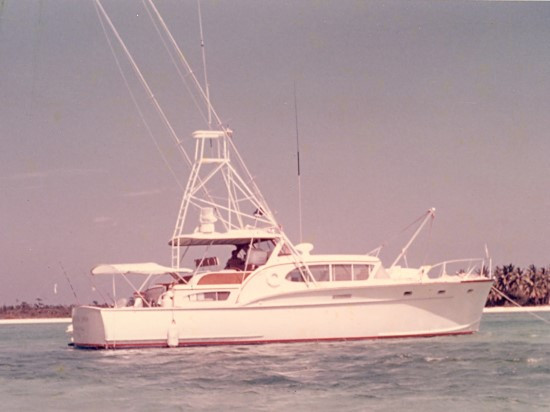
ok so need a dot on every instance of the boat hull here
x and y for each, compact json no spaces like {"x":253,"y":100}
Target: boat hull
{"x":381,"y":312}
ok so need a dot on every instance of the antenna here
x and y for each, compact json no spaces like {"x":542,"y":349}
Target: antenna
{"x":203,"y":51}
{"x":298,"y":164}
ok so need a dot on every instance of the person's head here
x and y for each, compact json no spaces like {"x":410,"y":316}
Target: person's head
{"x":234,"y":253}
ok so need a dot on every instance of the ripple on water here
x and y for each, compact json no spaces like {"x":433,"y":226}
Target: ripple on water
{"x":503,"y":367}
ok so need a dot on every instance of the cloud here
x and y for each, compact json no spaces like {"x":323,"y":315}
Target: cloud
{"x":143,"y":193}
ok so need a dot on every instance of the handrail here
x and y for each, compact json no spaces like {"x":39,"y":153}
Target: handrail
{"x":444,"y":264}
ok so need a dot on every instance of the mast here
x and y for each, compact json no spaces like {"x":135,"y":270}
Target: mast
{"x":206,"y":85}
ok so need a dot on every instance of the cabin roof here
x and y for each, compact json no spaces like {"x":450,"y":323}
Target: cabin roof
{"x":148,"y":268}
{"x":232,"y":237}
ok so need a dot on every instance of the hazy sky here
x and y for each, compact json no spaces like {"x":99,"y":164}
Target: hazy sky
{"x":402,"y":106}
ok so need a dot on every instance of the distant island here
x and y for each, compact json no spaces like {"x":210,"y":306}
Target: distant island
{"x":525,"y":287}
{"x":24,"y":310}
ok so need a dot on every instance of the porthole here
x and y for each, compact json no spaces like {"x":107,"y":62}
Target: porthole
{"x":407,"y":293}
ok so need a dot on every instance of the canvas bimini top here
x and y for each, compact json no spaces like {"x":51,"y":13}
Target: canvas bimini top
{"x":231,"y":237}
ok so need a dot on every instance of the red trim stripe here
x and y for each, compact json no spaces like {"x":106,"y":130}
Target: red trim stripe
{"x":477,"y":281}
{"x":163,"y":344}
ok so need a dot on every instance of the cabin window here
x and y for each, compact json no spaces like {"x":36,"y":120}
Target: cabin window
{"x":361,"y":272}
{"x":341,"y":272}
{"x":208,"y":296}
{"x":295,"y":276}
{"x":320,"y":273}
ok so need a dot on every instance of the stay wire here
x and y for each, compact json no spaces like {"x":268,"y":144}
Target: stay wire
{"x":241,"y":163}
{"x":144,"y":83}
{"x":98,"y":7}
{"x":518,"y":305}
{"x":174,"y":62}
{"x":391,"y":239}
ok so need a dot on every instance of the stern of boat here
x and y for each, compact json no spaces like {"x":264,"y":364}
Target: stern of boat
{"x":88,"y":329}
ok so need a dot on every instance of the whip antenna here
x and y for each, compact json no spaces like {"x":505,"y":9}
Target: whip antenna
{"x":298,"y":163}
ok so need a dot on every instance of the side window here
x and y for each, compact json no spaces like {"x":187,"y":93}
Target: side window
{"x":209,"y":296}
{"x":295,"y":276}
{"x":320,"y":273}
{"x":341,"y":272}
{"x":361,"y":272}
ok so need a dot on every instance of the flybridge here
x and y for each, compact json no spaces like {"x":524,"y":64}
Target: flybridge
{"x":220,"y":194}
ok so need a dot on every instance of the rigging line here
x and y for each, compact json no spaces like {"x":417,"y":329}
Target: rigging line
{"x":134,"y":100}
{"x":174,"y":62}
{"x":185,"y":63}
{"x":254,"y":188}
{"x":518,"y":305}
{"x":149,"y":91}
{"x":144,"y":82}
{"x":391,"y":239}
{"x":203,"y":50}
{"x":197,"y":84}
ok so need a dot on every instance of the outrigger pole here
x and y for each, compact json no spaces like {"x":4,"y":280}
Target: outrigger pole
{"x":429,"y":214}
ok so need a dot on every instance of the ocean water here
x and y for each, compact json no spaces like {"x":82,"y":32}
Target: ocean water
{"x":504,"y":367}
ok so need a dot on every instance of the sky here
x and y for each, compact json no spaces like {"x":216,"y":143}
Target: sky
{"x":402,"y":106}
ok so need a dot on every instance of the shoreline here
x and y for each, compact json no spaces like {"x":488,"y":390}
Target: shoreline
{"x":514,"y":309}
{"x":21,"y":321}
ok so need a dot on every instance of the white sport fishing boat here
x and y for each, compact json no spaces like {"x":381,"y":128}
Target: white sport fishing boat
{"x":236,"y":278}
{"x":270,"y":290}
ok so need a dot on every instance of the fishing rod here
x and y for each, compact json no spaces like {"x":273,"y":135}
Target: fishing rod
{"x":69,"y":282}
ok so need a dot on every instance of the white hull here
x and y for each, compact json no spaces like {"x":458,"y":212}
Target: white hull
{"x":370,"y":312}
{"x":269,"y":289}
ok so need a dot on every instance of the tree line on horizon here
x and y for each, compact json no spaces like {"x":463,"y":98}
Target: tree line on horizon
{"x":526,"y":287}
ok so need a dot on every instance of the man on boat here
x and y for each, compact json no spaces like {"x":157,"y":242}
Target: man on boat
{"x":235,"y":262}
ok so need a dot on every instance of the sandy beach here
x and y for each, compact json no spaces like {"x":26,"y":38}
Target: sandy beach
{"x":34,"y":320}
